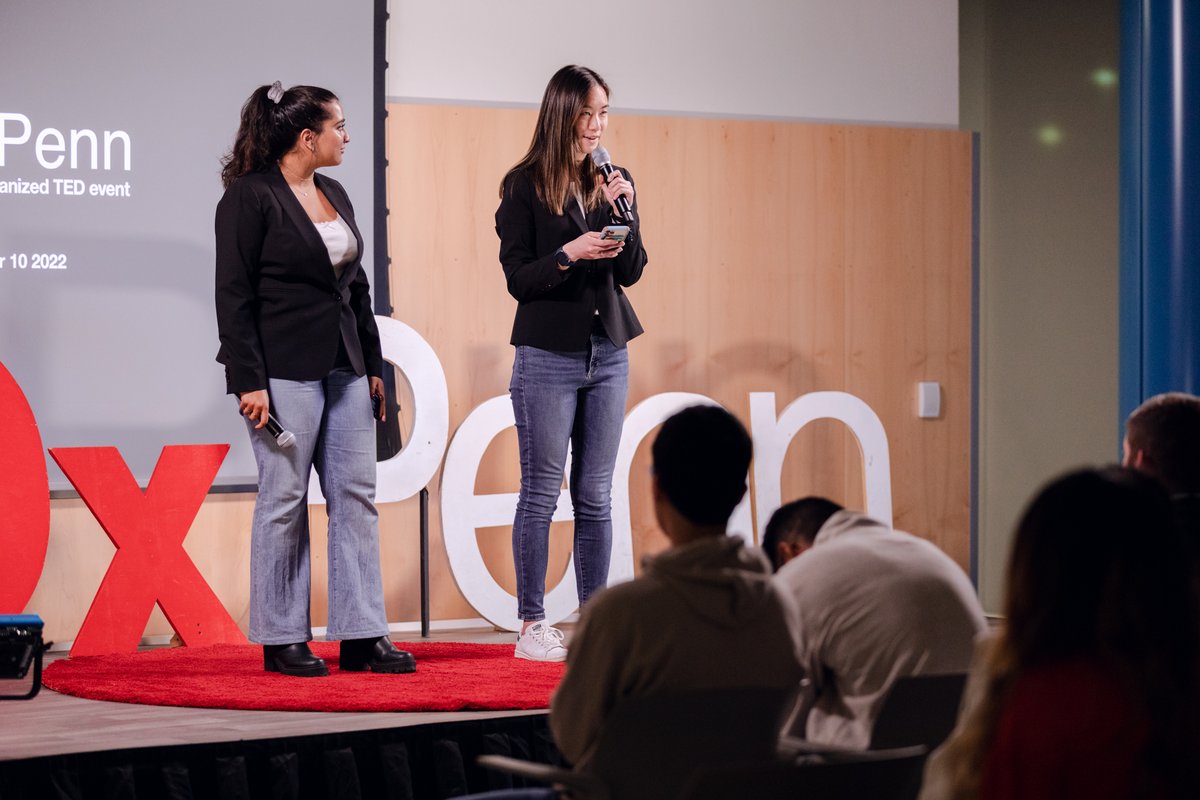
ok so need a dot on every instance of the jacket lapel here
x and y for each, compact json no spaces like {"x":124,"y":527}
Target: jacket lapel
{"x":295,"y":212}
{"x":576,"y":214}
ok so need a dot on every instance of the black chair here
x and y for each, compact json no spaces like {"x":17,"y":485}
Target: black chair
{"x":651,"y":746}
{"x":865,"y":775}
{"x":919,"y":709}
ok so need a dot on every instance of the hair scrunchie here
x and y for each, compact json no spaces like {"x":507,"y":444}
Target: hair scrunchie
{"x":275,"y":93}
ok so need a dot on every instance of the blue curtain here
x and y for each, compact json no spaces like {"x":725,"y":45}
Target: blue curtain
{"x":1160,"y":200}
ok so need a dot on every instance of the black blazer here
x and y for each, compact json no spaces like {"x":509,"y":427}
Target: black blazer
{"x":280,"y":310}
{"x":555,"y":308}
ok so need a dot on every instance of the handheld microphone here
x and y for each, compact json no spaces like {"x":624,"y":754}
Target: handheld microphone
{"x":602,"y":161}
{"x":284,"y":439}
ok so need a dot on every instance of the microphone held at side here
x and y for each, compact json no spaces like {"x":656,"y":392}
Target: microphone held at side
{"x":283,"y":438}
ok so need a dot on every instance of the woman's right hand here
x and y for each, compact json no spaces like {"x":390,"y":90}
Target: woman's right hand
{"x":592,"y":245}
{"x":255,"y":406}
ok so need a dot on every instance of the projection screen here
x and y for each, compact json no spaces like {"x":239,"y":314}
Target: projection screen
{"x":113,"y":118}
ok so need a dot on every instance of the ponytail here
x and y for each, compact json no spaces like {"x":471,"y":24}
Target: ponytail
{"x":272,"y":119}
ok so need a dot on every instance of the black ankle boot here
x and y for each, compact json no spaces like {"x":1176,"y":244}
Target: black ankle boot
{"x":376,"y":655}
{"x":293,"y":659}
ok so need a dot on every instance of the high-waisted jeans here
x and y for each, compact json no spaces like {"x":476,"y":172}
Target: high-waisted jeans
{"x":560,"y":397}
{"x":335,"y":432}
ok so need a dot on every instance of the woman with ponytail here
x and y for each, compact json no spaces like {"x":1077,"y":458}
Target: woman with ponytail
{"x":299,"y":342}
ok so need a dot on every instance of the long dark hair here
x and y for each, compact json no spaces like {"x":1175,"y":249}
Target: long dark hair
{"x":1099,"y":571}
{"x":269,"y":129}
{"x":551,"y":156}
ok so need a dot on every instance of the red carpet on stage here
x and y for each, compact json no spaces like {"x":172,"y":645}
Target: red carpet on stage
{"x":450,"y":676}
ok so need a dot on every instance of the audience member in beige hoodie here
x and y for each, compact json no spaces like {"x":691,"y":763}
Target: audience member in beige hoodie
{"x":704,"y":614}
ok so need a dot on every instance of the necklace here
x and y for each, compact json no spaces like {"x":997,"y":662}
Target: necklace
{"x":296,"y":187}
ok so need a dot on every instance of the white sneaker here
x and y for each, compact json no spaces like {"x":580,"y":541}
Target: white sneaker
{"x":541,"y":642}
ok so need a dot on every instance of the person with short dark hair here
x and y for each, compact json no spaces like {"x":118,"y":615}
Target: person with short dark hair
{"x":701,"y":457}
{"x":874,"y":605}
{"x":1091,"y":688}
{"x":1162,"y":439}
{"x":704,"y":614}
{"x":791,"y":529}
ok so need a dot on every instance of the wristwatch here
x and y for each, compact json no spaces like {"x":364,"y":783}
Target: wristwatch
{"x":562,"y":258}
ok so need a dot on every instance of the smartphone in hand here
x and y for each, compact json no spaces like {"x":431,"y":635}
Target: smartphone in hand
{"x":614,"y":232}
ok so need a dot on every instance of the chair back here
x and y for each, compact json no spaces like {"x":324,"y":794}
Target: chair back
{"x":652,"y":745}
{"x":873,"y":774}
{"x":919,"y":709}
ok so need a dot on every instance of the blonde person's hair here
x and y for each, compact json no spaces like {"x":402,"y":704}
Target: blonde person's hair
{"x":964,"y":752}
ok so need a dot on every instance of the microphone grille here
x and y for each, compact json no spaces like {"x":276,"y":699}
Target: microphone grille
{"x":600,"y":156}
{"x":286,"y":440}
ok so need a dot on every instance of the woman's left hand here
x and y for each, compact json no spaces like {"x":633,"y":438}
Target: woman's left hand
{"x":616,"y":186}
{"x":376,"y":385}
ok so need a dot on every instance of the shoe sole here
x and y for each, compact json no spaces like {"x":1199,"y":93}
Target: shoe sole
{"x":402,"y":668}
{"x":527,"y":657}
{"x":309,"y":672}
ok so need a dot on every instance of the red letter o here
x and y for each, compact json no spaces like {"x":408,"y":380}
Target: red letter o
{"x":24,"y":497}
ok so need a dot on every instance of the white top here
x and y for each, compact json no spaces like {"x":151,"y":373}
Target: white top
{"x":874,"y":605}
{"x":340,"y":242}
{"x":583,"y":211}
{"x":579,"y":199}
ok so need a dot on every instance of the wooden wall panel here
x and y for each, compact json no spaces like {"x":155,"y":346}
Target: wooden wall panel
{"x":784,"y":257}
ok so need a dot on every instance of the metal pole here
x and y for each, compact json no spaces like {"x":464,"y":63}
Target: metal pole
{"x":425,"y":563}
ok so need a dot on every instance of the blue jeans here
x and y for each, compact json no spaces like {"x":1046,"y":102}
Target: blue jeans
{"x":335,"y":432}
{"x":561,"y":397}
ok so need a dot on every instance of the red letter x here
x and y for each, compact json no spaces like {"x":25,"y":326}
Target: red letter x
{"x":148,"y":529}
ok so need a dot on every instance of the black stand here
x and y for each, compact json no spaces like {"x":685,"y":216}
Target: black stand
{"x":425,"y":563}
{"x":37,"y":679}
{"x":389,"y":441}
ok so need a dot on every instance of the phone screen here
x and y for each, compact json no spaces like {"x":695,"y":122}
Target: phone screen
{"x":618,"y":232}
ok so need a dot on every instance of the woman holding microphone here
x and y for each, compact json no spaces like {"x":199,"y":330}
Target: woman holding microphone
{"x":568,"y":249}
{"x":298,"y":339}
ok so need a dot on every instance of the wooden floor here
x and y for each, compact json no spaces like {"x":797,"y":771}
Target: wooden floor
{"x":53,"y":723}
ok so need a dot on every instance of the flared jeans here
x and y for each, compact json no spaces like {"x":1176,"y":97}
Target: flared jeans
{"x":335,"y":432}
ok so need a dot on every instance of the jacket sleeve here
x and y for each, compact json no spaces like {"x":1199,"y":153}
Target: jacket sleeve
{"x":239,"y":232}
{"x":368,"y":329}
{"x":628,"y":266}
{"x":364,"y":312}
{"x":528,"y":272}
